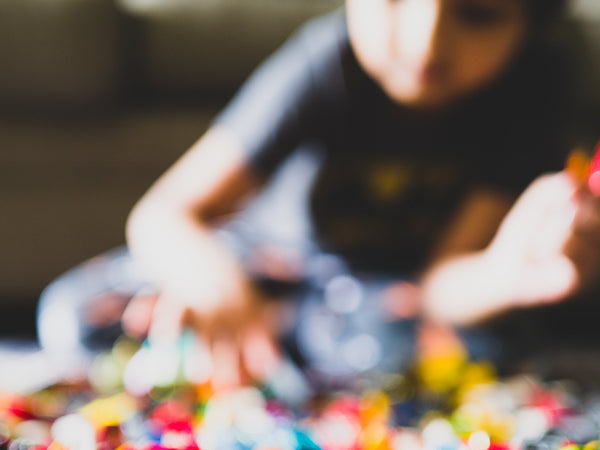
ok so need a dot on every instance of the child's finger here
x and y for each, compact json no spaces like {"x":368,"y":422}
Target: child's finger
{"x":555,"y":226}
{"x":157,"y":362}
{"x":198,"y":362}
{"x":226,"y":363}
{"x":167,"y":319}
{"x":137,"y":317}
{"x":402,"y":300}
{"x":260,"y":353}
{"x":532,"y":210}
{"x":553,"y":280}
{"x":587,"y":218}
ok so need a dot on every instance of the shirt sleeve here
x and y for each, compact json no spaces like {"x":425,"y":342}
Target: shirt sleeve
{"x":283,"y":103}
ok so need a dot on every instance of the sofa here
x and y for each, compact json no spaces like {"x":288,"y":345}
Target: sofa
{"x":99,"y":97}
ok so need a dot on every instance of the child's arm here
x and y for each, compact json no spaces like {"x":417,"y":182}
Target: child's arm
{"x":285,"y":102}
{"x":449,"y":293}
{"x":205,"y":183}
{"x":545,"y":250}
{"x":202,"y":284}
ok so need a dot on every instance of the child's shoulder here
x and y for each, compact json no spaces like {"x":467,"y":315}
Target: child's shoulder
{"x":324,"y":39}
{"x":329,"y":27}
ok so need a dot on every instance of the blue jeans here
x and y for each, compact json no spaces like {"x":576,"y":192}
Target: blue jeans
{"x":341,"y":324}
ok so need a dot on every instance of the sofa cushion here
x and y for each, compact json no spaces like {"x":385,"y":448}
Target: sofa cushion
{"x":67,"y":186}
{"x":211,"y":46}
{"x":58,"y":53}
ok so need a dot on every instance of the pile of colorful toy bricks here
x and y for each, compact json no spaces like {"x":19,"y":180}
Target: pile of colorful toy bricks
{"x":445,"y":402}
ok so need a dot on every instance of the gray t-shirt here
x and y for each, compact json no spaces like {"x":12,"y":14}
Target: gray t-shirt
{"x":392,"y":178}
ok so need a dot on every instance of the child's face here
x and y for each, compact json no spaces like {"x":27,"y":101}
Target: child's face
{"x":426,"y":53}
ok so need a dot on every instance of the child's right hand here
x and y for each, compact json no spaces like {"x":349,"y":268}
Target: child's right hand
{"x":235,"y":328}
{"x":170,"y":232}
{"x":236,"y":325}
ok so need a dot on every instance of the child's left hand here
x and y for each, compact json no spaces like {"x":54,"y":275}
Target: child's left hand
{"x":583,"y":243}
{"x":552,"y":237}
{"x":546,"y":249}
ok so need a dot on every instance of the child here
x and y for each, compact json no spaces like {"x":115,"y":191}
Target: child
{"x":430,"y":116}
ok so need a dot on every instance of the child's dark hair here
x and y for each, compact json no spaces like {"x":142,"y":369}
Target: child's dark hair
{"x":543,"y":11}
